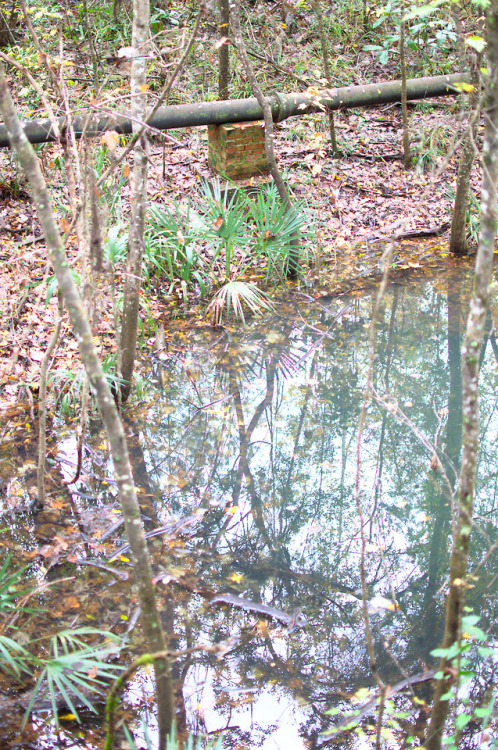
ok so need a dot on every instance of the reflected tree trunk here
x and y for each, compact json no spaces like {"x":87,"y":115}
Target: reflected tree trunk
{"x":440,"y":508}
{"x":286,"y":490}
{"x":244,"y":439}
{"x":141,"y":476}
{"x":377,"y":486}
{"x":488,"y":336}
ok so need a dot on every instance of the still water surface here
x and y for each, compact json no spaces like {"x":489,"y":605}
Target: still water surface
{"x":249,"y":442}
{"x":260,"y":430}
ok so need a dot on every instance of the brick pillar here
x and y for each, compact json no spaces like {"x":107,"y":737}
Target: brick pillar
{"x":237,"y":150}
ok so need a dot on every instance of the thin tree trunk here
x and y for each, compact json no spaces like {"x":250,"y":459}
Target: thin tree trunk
{"x":131,"y":301}
{"x":470,"y":382}
{"x":224,"y":61}
{"x":269,"y":131}
{"x":114,"y":428}
{"x":131,"y":297}
{"x":326,"y":65}
{"x":458,"y":237}
{"x":6,"y":35}
{"x":407,"y":157}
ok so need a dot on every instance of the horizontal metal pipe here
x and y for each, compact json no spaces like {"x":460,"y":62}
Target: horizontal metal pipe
{"x":246,"y":110}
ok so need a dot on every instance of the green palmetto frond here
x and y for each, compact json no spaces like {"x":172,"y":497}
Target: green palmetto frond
{"x":74,"y":671}
{"x":9,"y":586}
{"x":14,"y":659}
{"x":115,"y":247}
{"x":233,"y":296}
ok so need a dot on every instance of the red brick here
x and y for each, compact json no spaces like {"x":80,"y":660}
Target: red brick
{"x":237,"y":149}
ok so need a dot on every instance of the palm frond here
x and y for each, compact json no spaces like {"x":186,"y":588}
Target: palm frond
{"x":74,"y":671}
{"x":14,"y":659}
{"x":233,"y":296}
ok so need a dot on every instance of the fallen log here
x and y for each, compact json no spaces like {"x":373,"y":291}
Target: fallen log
{"x":246,"y":110}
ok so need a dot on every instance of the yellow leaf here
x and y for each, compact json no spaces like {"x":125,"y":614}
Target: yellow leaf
{"x":236,"y":577}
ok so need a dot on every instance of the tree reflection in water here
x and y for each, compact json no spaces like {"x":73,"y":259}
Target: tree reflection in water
{"x":258,"y":428}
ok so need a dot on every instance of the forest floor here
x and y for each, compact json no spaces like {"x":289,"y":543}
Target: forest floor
{"x":357,"y":201}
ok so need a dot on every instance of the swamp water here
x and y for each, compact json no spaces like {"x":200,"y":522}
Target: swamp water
{"x":245,"y":455}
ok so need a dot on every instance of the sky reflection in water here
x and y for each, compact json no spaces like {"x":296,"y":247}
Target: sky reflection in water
{"x":259,"y":428}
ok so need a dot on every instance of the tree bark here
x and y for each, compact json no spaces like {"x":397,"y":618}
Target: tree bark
{"x":269,"y":130}
{"x":224,"y":61}
{"x":6,"y":35}
{"x":131,"y":300}
{"x":458,"y":237}
{"x":326,"y":65}
{"x":470,"y":381}
{"x":407,"y":157}
{"x":131,"y":297}
{"x":114,"y":428}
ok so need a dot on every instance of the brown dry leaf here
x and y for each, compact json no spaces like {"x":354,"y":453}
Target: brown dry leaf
{"x":36,"y":355}
{"x":58,"y":503}
{"x":71,"y":603}
{"x":110,"y":139}
{"x":64,"y":225}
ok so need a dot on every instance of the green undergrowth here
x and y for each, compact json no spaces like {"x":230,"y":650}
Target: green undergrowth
{"x":69,"y":666}
{"x":69,"y":670}
{"x":220,"y":236}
